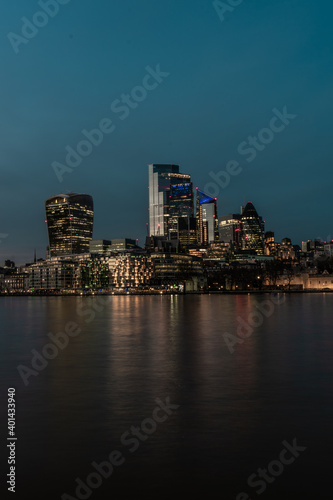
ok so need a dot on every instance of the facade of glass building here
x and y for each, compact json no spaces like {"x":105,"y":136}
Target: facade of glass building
{"x":99,"y":247}
{"x":207,"y":220}
{"x":160,"y":179}
{"x":230,"y":228}
{"x":175,"y":268}
{"x":253,"y":230}
{"x":181,"y":209}
{"x":121,"y":244}
{"x":187,"y":231}
{"x":69,"y":219}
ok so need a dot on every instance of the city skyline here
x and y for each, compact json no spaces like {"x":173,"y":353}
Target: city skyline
{"x":205,"y":99}
{"x":166,"y":248}
{"x":64,"y":199}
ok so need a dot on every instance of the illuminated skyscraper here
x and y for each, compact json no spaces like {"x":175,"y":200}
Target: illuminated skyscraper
{"x":207,"y":221}
{"x":69,"y":220}
{"x":160,"y":179}
{"x":230,"y":229}
{"x":181,"y":209}
{"x":253,"y":230}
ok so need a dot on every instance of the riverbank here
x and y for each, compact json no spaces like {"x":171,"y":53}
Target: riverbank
{"x":160,"y":292}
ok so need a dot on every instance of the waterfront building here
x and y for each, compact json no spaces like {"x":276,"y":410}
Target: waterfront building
{"x":175,"y":269}
{"x":55,"y":274}
{"x":17,"y":282}
{"x":130,"y":271}
{"x":69,"y":219}
{"x":68,"y":273}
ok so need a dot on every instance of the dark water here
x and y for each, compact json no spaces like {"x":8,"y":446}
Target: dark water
{"x":235,"y":409}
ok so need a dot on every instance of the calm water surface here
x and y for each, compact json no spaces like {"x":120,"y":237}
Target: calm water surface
{"x":235,"y":409}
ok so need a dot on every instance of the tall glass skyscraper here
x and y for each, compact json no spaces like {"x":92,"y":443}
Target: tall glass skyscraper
{"x":160,"y":179}
{"x":180,"y":207}
{"x":253,"y":230}
{"x":207,"y":221}
{"x":69,"y":220}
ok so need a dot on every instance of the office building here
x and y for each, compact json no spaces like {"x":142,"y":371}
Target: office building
{"x":328,"y":249}
{"x":161,"y":177}
{"x":69,"y":219}
{"x":187,"y":231}
{"x":253,"y":230}
{"x":122,"y":244}
{"x":99,"y":246}
{"x":207,"y":220}
{"x":181,"y":213}
{"x":230,"y":229}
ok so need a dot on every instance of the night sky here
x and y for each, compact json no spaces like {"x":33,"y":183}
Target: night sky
{"x":223,"y":75}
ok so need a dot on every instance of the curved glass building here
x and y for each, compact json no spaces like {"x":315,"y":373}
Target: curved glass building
{"x":69,"y":219}
{"x":253,"y":230}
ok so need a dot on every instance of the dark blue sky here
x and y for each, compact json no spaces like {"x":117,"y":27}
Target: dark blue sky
{"x":225,"y":78}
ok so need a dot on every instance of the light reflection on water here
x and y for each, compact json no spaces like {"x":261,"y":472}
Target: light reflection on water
{"x":235,"y":409}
